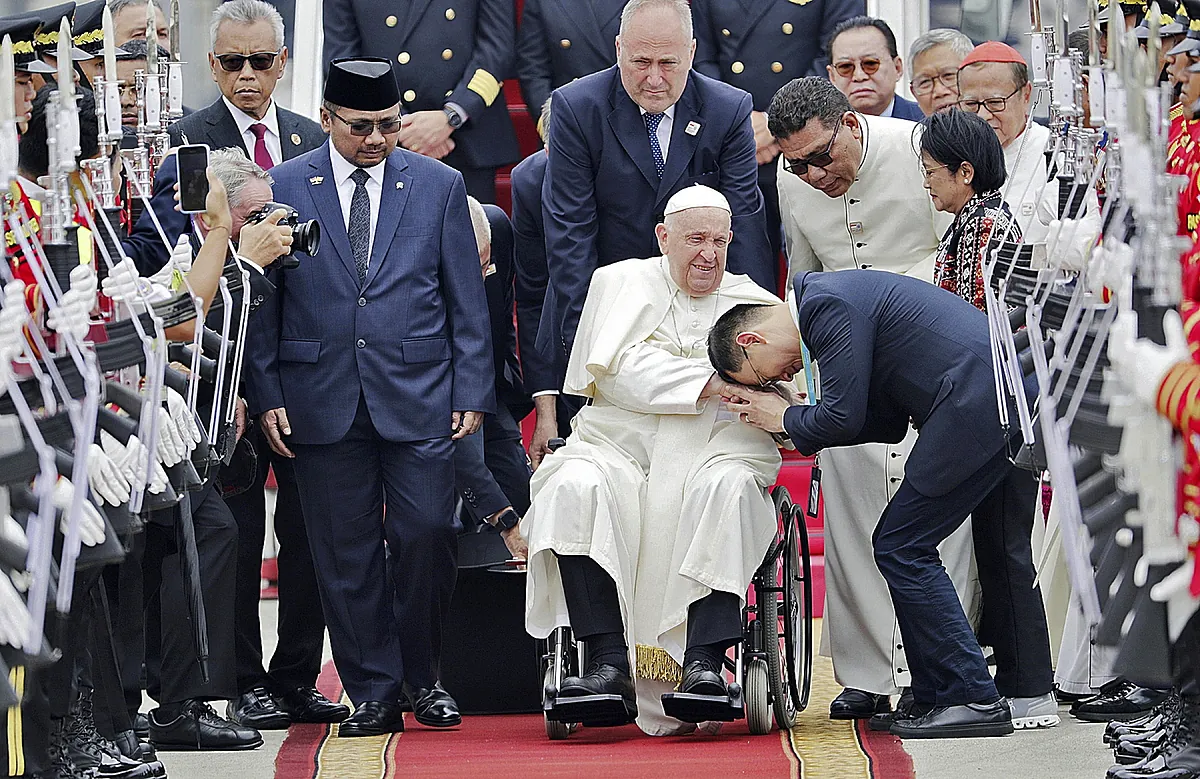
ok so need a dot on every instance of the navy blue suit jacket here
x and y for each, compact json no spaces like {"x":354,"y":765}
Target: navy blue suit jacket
{"x":757,"y":35}
{"x":602,"y":197}
{"x":907,"y":109}
{"x":562,"y":40}
{"x":413,"y":341}
{"x":510,"y":388}
{"x":891,"y":350}
{"x":532,"y":277}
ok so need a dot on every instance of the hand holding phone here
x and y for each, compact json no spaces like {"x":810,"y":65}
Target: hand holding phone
{"x":193,"y":177}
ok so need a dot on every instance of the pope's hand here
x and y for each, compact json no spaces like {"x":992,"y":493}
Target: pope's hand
{"x":515,"y":542}
{"x":1139,"y":364}
{"x":715,"y":386}
{"x":91,"y":523}
{"x":763,"y":410}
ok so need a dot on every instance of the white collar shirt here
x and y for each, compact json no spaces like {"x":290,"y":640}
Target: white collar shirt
{"x":342,"y":170}
{"x":244,"y":121}
{"x":664,"y":128}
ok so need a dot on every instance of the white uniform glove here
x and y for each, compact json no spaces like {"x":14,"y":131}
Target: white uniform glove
{"x":12,"y":318}
{"x":171,"y":448}
{"x":131,"y":459}
{"x":1112,"y":267}
{"x":1067,"y":244}
{"x":1139,"y":364}
{"x":106,"y":478}
{"x":12,"y":532}
{"x":123,"y":284}
{"x":180,"y":260}
{"x":15,"y":622}
{"x":72,"y":315}
{"x":91,"y":523}
{"x":185,"y":420}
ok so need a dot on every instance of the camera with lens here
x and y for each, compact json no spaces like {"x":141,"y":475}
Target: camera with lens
{"x":306,"y":236}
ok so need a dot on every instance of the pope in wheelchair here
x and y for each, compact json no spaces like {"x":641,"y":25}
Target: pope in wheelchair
{"x":647,"y":526}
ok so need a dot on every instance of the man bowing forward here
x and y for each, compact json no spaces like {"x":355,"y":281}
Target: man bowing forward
{"x":373,"y":356}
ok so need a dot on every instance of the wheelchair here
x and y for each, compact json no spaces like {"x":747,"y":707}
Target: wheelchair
{"x":771,"y":667}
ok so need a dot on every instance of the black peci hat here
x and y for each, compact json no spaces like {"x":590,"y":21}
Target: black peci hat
{"x":362,"y":84}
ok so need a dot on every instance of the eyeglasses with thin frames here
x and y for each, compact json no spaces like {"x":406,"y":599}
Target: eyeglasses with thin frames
{"x":924,"y":85}
{"x":870,"y":66}
{"x":259,"y":60}
{"x":928,"y":172}
{"x":762,"y":383}
{"x":819,"y":160}
{"x":994,"y":105}
{"x":364,"y":128}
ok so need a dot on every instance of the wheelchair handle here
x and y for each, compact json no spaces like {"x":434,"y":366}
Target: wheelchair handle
{"x":554,"y":444}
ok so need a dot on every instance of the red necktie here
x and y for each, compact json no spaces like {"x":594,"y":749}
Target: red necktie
{"x":262,"y":157}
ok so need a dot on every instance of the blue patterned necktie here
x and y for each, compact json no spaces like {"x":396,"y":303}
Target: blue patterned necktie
{"x":652,"y":123}
{"x":360,"y":223}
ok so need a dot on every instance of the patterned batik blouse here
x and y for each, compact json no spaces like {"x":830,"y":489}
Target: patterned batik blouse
{"x":963,"y":249}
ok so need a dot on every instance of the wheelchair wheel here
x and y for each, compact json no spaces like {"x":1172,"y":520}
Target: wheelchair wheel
{"x":555,"y":731}
{"x":758,"y":700}
{"x":797,"y":611}
{"x":771,"y":583}
{"x":561,"y":659}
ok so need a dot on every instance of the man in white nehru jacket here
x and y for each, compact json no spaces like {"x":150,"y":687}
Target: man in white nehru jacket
{"x":658,"y":485}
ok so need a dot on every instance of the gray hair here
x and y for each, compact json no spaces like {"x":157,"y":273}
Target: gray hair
{"x":680,"y":7}
{"x":480,"y":223}
{"x":959,"y":43}
{"x":803,"y":99}
{"x":246,"y":12}
{"x":543,"y":122}
{"x":139,"y":49}
{"x":117,"y":6}
{"x":235,"y":171}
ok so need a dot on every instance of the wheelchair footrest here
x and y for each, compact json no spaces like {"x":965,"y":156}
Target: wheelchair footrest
{"x":594,"y":711}
{"x":689,"y":707}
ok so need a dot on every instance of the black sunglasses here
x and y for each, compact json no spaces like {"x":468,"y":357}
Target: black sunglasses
{"x":261,"y":60}
{"x":819,"y":160}
{"x":364,"y":128}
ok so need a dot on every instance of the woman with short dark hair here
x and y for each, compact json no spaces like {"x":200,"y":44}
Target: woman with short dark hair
{"x":964,"y":171}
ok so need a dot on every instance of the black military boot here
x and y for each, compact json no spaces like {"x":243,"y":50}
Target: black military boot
{"x":91,"y":751}
{"x":1178,"y":757}
{"x":61,"y":766}
{"x":1161,"y":717}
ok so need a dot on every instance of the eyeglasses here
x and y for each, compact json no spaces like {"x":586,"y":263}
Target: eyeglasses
{"x":364,"y":128}
{"x":821,"y":159}
{"x":846,"y":69}
{"x":924,"y":85}
{"x":928,"y":172}
{"x":762,"y":383}
{"x":260,"y":60}
{"x":994,"y":105}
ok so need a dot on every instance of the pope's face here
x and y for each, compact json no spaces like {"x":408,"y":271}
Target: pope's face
{"x":654,"y":56}
{"x":993,"y":82}
{"x":836,"y":153}
{"x":695,"y":241}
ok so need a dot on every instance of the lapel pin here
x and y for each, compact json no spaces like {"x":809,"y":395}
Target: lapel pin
{"x":295,"y":139}
{"x":316,"y":180}
{"x":399,"y":185}
{"x":692,"y":128}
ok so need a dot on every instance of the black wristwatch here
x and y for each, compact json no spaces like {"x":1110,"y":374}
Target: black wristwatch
{"x":453,"y":117}
{"x":506,"y":520}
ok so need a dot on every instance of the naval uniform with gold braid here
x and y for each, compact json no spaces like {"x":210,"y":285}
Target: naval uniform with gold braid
{"x":447,"y":55}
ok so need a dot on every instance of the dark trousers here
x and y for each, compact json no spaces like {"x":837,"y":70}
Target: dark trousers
{"x":943,"y":653}
{"x":767,"y":185}
{"x":26,"y":735}
{"x":386,"y":578}
{"x":178,"y":677}
{"x":124,"y":583}
{"x":297,"y":658}
{"x":481,"y":183}
{"x":592,"y":604}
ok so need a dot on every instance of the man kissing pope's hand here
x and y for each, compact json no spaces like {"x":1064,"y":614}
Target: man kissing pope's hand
{"x":763,"y":410}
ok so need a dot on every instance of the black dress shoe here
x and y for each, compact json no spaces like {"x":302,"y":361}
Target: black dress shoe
{"x":305,"y":704}
{"x":858,"y":704}
{"x":196,"y":727}
{"x":432,"y":706}
{"x":700,"y":678}
{"x":603,"y":697}
{"x":256,"y":709}
{"x":882,"y":722}
{"x":1120,"y":699}
{"x":373,"y":718}
{"x":967,"y":720}
{"x":141,"y":726}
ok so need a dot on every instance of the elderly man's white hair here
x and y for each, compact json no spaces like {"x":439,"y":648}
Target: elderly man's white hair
{"x":959,"y":43}
{"x":245,"y":12}
{"x":235,"y":170}
{"x":479,"y":223}
{"x":680,"y":7}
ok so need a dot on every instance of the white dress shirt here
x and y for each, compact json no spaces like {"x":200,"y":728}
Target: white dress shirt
{"x":342,"y":170}
{"x":664,"y":128}
{"x":891,"y":107}
{"x":270,"y":119}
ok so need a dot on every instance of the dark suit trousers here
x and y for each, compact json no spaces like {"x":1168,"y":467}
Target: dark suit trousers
{"x":386,"y":577}
{"x":297,"y":658}
{"x":768,"y":186}
{"x":504,"y":453}
{"x":179,"y":677}
{"x":947,"y":665}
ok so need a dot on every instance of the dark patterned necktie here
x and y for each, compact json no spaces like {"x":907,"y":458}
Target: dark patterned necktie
{"x":652,"y":123}
{"x":360,"y":223}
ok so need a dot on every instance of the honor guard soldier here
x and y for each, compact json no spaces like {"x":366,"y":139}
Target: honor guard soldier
{"x":759,"y":47}
{"x":562,"y":40}
{"x":87,"y":34}
{"x":26,"y":64}
{"x":46,"y":40}
{"x":449,"y":57}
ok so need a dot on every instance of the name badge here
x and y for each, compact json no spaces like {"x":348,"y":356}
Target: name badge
{"x":856,"y":227}
{"x":1027,"y":209}
{"x":692,"y":128}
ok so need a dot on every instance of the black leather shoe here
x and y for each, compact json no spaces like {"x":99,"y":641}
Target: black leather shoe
{"x":373,"y":718}
{"x":857,"y":704}
{"x":141,"y":726}
{"x":256,"y":709}
{"x":967,"y":720}
{"x":603,"y":697}
{"x":433,"y":707}
{"x":882,"y":722}
{"x":305,"y":704}
{"x":699,"y":678}
{"x":1119,"y":700}
{"x":198,"y":728}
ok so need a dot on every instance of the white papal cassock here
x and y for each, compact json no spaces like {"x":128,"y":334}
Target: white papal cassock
{"x":666,"y":493}
{"x":887,"y":222}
